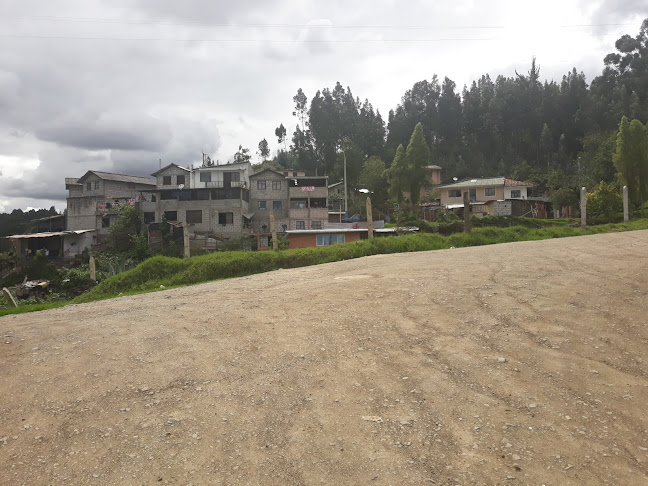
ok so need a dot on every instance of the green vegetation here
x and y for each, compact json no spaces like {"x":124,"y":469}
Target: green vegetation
{"x":172,"y":272}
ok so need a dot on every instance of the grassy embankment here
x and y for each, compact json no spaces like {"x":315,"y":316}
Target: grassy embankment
{"x":173,"y":272}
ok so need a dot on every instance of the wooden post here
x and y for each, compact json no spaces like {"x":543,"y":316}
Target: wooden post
{"x":583,"y":207}
{"x":370,"y":234}
{"x":626,"y":214}
{"x":273,"y":230}
{"x":466,"y":201}
{"x":93,"y":268}
{"x":9,"y":297}
{"x":185,"y":238}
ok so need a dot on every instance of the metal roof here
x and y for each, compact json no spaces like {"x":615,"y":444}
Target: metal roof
{"x":107,"y":176}
{"x":49,"y":234}
{"x":492,"y":181}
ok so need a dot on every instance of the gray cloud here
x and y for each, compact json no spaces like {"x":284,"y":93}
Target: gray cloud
{"x":119,"y":130}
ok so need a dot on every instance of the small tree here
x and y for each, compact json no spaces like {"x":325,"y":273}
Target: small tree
{"x":397,"y":175}
{"x":418,"y":156}
{"x":124,"y":228}
{"x":242,"y":155}
{"x":605,"y":200}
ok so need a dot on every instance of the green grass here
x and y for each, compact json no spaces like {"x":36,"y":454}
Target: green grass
{"x":22,"y":309}
{"x":172,"y":272}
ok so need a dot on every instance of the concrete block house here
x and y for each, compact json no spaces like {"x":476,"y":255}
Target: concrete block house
{"x":96,"y":199}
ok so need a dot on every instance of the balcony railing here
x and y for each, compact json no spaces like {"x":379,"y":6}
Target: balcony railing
{"x":223,"y":184}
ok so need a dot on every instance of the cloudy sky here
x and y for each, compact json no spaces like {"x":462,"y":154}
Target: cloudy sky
{"x":116,"y":86}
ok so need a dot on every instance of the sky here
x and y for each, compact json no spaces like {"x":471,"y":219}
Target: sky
{"x":118,"y":86}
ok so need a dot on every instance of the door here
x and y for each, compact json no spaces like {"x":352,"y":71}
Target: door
{"x":473,"y":195}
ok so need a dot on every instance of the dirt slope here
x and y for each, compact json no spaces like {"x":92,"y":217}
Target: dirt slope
{"x":520,"y":363}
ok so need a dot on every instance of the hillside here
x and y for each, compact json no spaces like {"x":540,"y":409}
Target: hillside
{"x":520,"y":363}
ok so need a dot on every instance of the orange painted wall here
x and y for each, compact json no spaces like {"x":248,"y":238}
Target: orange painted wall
{"x":309,"y":240}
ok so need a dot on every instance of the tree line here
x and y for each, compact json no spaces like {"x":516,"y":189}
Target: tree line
{"x":557,"y":134}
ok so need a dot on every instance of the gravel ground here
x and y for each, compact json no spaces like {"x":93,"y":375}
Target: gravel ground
{"x":518,"y":363}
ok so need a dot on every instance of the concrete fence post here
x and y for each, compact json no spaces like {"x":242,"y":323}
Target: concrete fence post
{"x":626,"y":214}
{"x":466,"y":201}
{"x":93,"y":268}
{"x":185,"y":238}
{"x":583,"y":204}
{"x":370,"y":234}
{"x":273,"y":231}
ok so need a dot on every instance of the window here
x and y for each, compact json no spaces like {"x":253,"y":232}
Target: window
{"x":194,"y":216}
{"x":261,"y":185}
{"x":225,"y":218}
{"x":89,"y":186}
{"x":96,"y":185}
{"x":105,"y":222}
{"x":454,"y":192}
{"x":276,"y":204}
{"x":326,"y":240}
{"x":171,"y":215}
{"x":153,"y":198}
{"x":180,"y":179}
{"x":276,"y":185}
{"x":166,"y":180}
{"x":168,"y":195}
{"x":316,"y":225}
{"x":262,"y":205}
{"x":489,"y":191}
{"x":298,"y":203}
{"x":300,"y":225}
{"x":149,"y":218}
{"x":205,"y":177}
{"x":234,"y":176}
{"x":516,"y":193}
{"x":294,"y":174}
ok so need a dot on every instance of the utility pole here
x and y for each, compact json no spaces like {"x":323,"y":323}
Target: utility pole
{"x":370,"y":234}
{"x":346,"y":200}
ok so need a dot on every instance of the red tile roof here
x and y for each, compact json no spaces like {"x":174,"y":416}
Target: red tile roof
{"x":511,"y":182}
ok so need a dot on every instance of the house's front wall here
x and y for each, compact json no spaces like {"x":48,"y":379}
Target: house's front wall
{"x":173,"y":172}
{"x":480,"y":194}
{"x":210,"y":212}
{"x":271,"y":188}
{"x":90,"y":209}
{"x":509,"y":189}
{"x":309,"y":240}
{"x":218,"y":175}
{"x":75,"y":244}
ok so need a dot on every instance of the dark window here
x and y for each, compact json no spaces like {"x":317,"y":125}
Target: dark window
{"x":517,"y":193}
{"x":205,"y":177}
{"x":261,"y":185}
{"x":294,"y":174}
{"x":89,"y":186}
{"x":194,"y":216}
{"x":234,"y":176}
{"x":318,"y":203}
{"x":276,"y":204}
{"x":96,"y":185}
{"x":200,"y":194}
{"x":454,"y":193}
{"x":316,"y":225}
{"x":180,"y":179}
{"x":105,"y":222}
{"x":276,"y":185}
{"x":153,"y":198}
{"x":298,"y":203}
{"x":300,"y":225}
{"x":166,"y":180}
{"x":262,"y":204}
{"x":489,"y":191}
{"x":225,"y":218}
{"x":326,"y":240}
{"x":149,"y":218}
{"x":171,"y":215}
{"x":167,"y":195}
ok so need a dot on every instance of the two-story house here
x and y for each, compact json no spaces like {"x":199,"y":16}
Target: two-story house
{"x":213,"y":200}
{"x":482,"y":193}
{"x":96,"y":199}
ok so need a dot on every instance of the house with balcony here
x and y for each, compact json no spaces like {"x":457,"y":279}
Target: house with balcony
{"x":213,"y":200}
{"x":307,"y":198}
{"x":269,"y":195}
{"x":96,"y":199}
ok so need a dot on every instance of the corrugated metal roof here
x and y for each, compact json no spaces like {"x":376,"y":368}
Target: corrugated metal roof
{"x":107,"y":176}
{"x":493,"y":181}
{"x":48,"y":234}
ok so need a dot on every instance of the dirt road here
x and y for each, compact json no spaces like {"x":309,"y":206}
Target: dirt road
{"x":519,"y":363}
